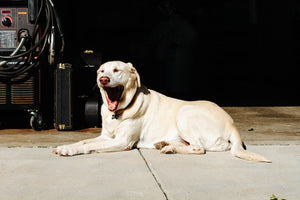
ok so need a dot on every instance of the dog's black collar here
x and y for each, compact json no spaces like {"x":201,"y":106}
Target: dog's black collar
{"x":119,"y":112}
{"x":114,"y":116}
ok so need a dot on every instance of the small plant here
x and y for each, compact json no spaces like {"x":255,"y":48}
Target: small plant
{"x":273,"y":197}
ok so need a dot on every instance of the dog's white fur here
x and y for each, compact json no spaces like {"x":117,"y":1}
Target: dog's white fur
{"x":147,"y":119}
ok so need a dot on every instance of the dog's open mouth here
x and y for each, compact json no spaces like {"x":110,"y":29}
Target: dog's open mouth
{"x":113,"y":95}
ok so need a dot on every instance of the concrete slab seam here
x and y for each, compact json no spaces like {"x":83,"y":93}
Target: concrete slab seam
{"x":159,"y":185}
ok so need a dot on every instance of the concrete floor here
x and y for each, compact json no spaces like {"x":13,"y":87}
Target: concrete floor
{"x":29,"y":170}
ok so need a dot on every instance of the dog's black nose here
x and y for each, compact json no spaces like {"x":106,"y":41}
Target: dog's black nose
{"x":104,"y":80}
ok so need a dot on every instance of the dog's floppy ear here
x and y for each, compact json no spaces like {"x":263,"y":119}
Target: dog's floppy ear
{"x":133,"y":70}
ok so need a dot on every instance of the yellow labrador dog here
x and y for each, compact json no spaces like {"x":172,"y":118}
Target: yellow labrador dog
{"x":133,"y":115}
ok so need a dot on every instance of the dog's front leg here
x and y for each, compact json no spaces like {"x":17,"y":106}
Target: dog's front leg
{"x":99,"y":145}
{"x":76,"y":148}
{"x":123,"y":140}
{"x":95,"y":146}
{"x":116,"y":144}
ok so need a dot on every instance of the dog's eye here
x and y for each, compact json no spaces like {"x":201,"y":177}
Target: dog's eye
{"x":115,"y":70}
{"x":102,"y":71}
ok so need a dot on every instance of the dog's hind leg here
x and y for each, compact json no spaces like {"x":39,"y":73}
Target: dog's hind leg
{"x":178,"y":147}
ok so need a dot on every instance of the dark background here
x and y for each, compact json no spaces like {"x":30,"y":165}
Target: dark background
{"x":235,"y":53}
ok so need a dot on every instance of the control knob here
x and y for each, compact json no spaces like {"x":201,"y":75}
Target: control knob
{"x":6,"y":21}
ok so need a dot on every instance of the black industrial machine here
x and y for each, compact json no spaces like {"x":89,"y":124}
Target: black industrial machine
{"x":30,"y":40}
{"x":77,"y":98}
{"x":34,"y":76}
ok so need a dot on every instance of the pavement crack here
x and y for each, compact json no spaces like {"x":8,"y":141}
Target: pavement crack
{"x":159,"y":185}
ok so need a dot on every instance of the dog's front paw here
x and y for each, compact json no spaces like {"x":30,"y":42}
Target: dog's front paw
{"x":66,"y":150}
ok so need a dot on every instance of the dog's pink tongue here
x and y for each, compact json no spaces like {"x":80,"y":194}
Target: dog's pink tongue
{"x":112,"y":105}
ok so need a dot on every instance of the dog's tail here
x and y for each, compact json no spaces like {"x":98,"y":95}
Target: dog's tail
{"x":238,"y":151}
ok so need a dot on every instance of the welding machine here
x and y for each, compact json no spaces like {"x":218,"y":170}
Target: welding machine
{"x":31,"y":38}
